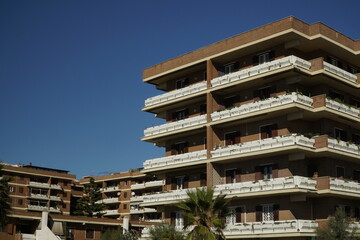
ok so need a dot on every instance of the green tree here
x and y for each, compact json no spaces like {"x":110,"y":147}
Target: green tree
{"x":90,"y":204}
{"x":4,"y":198}
{"x":117,"y":234}
{"x":206,"y":212}
{"x":338,"y":228}
{"x":165,"y":232}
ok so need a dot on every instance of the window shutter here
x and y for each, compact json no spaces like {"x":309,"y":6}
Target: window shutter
{"x":238,"y":212}
{"x":237,"y":137}
{"x":276,"y":212}
{"x":238,"y":175}
{"x":271,"y":55}
{"x":258,"y":210}
{"x":228,"y":176}
{"x":186,"y":182}
{"x":258,"y":173}
{"x":256,"y":60}
{"x":275,"y":170}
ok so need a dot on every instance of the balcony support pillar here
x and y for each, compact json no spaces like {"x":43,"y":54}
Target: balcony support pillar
{"x":211,"y":72}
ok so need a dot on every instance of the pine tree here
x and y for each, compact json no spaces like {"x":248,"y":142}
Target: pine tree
{"x":4,"y":198}
{"x":338,"y":228}
{"x":90,"y":204}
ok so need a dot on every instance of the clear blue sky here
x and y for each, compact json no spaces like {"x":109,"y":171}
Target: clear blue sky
{"x":71,"y":90}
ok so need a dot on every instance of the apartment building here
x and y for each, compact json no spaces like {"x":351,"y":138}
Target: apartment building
{"x":271,"y":118}
{"x":34,"y":190}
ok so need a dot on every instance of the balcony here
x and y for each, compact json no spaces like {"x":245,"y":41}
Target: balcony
{"x":344,"y":186}
{"x":275,"y":227}
{"x":175,"y":159}
{"x":274,"y":184}
{"x":165,"y":97}
{"x":110,"y":189}
{"x":37,"y":207}
{"x":54,"y":209}
{"x":171,"y":196}
{"x":343,"y":146}
{"x":261,"y":69}
{"x":110,"y":212}
{"x":39,"y":196}
{"x":136,"y":199}
{"x":39,"y":184}
{"x":175,"y":126}
{"x":263,"y":144}
{"x":55,"y":198}
{"x":142,"y":210}
{"x":157,"y":183}
{"x":340,"y":72}
{"x":55,"y":186}
{"x":109,"y":200}
{"x":341,"y":107}
{"x":263,"y":105}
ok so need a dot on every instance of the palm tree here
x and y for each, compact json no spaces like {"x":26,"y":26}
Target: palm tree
{"x":206,"y":212}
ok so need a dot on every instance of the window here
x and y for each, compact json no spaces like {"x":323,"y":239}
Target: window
{"x":267,"y":172}
{"x":125,"y":195}
{"x":340,"y":134}
{"x":64,"y":194}
{"x":237,"y":215}
{"x":268,"y":131}
{"x":230,"y":176}
{"x":340,"y":172}
{"x":336,"y":96}
{"x":352,"y":69}
{"x":355,"y":103}
{"x":179,"y":148}
{"x":21,"y":190}
{"x":178,"y":115}
{"x":356,"y":175}
{"x":203,"y":109}
{"x":182,"y":83}
{"x":267,"y":212}
{"x":64,"y":205}
{"x":264,"y":57}
{"x":90,"y":233}
{"x":264,"y":93}
{"x":11,"y":189}
{"x":180,"y":183}
{"x":179,"y":220}
{"x":65,"y":183}
{"x":204,"y":75}
{"x":232,"y":138}
{"x":356,"y":139}
{"x":230,"y":101}
{"x":125,"y":206}
{"x":20,"y":202}
{"x":344,"y":208}
{"x":229,"y":68}
{"x":205,"y":143}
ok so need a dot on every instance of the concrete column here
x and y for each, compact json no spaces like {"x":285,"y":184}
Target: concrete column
{"x":125,"y":224}
{"x":44,"y":220}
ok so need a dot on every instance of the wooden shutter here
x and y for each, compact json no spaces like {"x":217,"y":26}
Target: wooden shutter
{"x":258,"y":173}
{"x":276,"y":212}
{"x":275,"y":170}
{"x":228,"y":176}
{"x":238,"y":212}
{"x":237,"y":137}
{"x":258,"y":210}
{"x":238,"y":175}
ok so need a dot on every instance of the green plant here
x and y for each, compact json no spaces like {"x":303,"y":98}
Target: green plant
{"x":206,"y":212}
{"x":165,"y":232}
{"x":117,"y":234}
{"x":4,"y":198}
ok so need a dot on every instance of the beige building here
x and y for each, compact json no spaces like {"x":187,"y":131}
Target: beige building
{"x":270,"y":118}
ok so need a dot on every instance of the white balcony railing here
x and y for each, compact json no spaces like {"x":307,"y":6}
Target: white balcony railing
{"x":137,"y":199}
{"x":178,"y":125}
{"x":340,"y":72}
{"x":343,"y":146}
{"x":175,"y":159}
{"x":295,"y":182}
{"x":341,"y":107}
{"x":261,"y":69}
{"x":156,"y":183}
{"x":53,"y":209}
{"x":263,"y":144}
{"x":39,"y":184}
{"x":55,"y":198}
{"x":142,"y":210}
{"x":262,"y":105}
{"x":55,"y":186}
{"x":275,"y":227}
{"x":38,"y":207}
{"x":39,"y":196}
{"x":344,"y":186}
{"x":110,"y":200}
{"x":195,"y":88}
{"x":110,"y":189}
{"x":110,"y":212}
